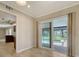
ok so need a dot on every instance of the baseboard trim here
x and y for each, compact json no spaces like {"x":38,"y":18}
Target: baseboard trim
{"x":23,"y":50}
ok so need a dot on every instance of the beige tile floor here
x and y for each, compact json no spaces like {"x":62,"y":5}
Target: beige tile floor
{"x":7,"y":50}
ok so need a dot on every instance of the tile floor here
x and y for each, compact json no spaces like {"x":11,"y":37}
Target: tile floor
{"x":7,"y":50}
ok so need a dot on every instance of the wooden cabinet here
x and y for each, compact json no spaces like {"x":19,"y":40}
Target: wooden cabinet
{"x":11,"y":38}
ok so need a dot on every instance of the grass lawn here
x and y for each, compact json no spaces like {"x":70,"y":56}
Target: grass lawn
{"x":57,"y":38}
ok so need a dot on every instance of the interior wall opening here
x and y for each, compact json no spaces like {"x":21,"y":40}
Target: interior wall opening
{"x":7,"y":32}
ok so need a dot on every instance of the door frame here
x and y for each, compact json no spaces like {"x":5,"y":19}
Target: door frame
{"x":40,"y":33}
{"x":69,"y":32}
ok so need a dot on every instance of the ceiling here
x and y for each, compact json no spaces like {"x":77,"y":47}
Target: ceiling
{"x":41,"y":8}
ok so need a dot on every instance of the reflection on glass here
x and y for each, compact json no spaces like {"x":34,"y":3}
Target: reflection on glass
{"x":60,"y":34}
{"x":46,"y":35}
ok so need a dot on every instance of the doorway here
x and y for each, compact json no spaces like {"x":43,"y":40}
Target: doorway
{"x":60,"y":34}
{"x":46,"y":35}
{"x":53,"y":34}
{"x":7,"y":32}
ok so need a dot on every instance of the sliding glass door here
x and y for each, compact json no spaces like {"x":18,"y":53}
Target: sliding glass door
{"x":46,"y":35}
{"x":55,"y":34}
{"x":60,"y":34}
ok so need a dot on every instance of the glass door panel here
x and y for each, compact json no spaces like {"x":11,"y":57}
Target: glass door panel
{"x":60,"y":34}
{"x":46,"y":35}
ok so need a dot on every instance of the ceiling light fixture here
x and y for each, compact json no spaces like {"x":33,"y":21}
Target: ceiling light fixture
{"x":28,"y":6}
{"x":21,"y":3}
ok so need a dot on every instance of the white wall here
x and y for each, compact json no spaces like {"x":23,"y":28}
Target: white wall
{"x":24,"y":30}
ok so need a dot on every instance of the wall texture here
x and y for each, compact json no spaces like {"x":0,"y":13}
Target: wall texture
{"x":24,"y":32}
